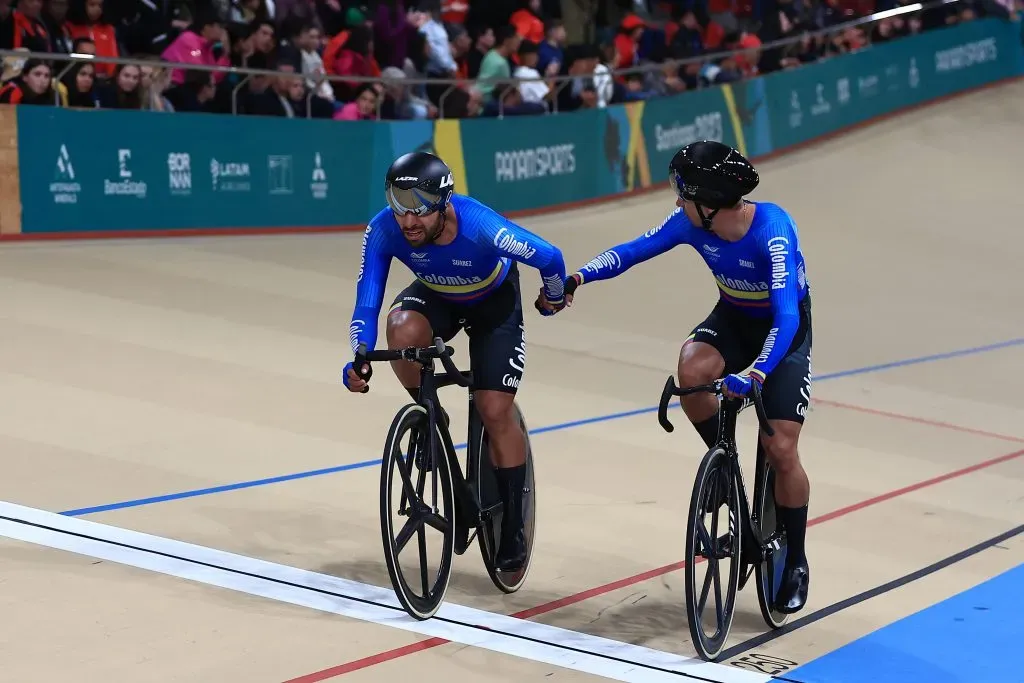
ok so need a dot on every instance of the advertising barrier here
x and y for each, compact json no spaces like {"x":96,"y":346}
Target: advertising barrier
{"x":118,"y":171}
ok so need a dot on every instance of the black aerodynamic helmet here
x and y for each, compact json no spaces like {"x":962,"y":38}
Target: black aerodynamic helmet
{"x":712,"y":175}
{"x":418,"y":183}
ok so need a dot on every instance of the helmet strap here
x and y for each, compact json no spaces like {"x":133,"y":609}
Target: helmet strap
{"x":705,"y":220}
{"x":440,"y":227}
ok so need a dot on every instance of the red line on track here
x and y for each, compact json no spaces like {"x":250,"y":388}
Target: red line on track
{"x":430,"y":643}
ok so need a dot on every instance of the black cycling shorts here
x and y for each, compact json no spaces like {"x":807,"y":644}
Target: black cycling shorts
{"x":740,"y":338}
{"x":497,"y":340}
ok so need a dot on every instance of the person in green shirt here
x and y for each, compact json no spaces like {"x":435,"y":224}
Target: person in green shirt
{"x":495,"y":65}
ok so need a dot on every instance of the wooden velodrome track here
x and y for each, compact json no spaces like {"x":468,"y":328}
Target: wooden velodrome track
{"x":178,"y":401}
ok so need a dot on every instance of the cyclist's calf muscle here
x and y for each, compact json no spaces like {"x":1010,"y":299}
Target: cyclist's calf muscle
{"x":508,"y":443}
{"x":406,"y":329}
{"x":699,"y":363}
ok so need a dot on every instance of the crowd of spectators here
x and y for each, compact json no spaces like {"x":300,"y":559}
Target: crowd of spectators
{"x":350,"y":59}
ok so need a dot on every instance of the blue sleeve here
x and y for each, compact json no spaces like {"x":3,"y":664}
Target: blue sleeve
{"x":617,"y":260}
{"x":777,"y":246}
{"x":370,"y":283}
{"x":518,"y":243}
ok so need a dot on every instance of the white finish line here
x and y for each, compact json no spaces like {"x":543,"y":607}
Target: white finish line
{"x":498,"y":633}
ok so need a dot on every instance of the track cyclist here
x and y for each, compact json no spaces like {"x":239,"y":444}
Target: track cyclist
{"x":762,"y":320}
{"x":464,"y":256}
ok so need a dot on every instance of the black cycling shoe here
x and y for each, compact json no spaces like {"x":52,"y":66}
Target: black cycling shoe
{"x":793,"y":589}
{"x":512,"y":552}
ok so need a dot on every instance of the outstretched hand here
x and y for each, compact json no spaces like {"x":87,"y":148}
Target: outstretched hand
{"x":547,"y":308}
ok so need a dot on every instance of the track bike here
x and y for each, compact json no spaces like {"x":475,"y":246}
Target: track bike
{"x":753,"y":540}
{"x":432,"y":489}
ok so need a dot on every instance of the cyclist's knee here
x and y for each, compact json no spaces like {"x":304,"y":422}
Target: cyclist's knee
{"x":699,"y":363}
{"x":781,"y":447}
{"x":408,"y":328}
{"x":495,"y":408}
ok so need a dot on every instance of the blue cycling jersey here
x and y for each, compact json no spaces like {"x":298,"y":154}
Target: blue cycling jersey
{"x":762,"y":275}
{"x":465,"y":271}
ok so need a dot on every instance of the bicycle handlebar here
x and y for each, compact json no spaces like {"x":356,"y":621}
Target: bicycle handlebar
{"x":439,"y":351}
{"x":715,"y":387}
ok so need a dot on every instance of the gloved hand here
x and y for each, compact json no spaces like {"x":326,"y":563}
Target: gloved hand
{"x":353,"y":382}
{"x":737,"y":386}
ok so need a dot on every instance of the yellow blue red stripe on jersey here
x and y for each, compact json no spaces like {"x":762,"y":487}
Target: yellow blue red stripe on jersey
{"x":742,"y":298}
{"x":475,"y":291}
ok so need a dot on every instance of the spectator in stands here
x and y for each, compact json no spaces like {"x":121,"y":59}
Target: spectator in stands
{"x":399,"y":101}
{"x":552,"y":49}
{"x":627,"y":40}
{"x":393,"y":26}
{"x":153,"y":83}
{"x":533,"y":91}
{"x":297,"y":10}
{"x":670,"y":82}
{"x":440,"y":63}
{"x":148,"y":27}
{"x":23,"y":29}
{"x":123,"y":92}
{"x":244,"y":100}
{"x":608,"y":90}
{"x":86,"y":20}
{"x":248,"y":11}
{"x":197,"y":94}
{"x":83,"y":46}
{"x":306,"y":39}
{"x":77,"y":87}
{"x":262,"y":36}
{"x":687,"y":34}
{"x":496,"y":63}
{"x":809,"y":49}
{"x":355,"y":59}
{"x":483,"y":41}
{"x":581,"y":92}
{"x":362,"y":108}
{"x":205,"y":42}
{"x":527,"y":21}
{"x":288,"y":97}
{"x":507,"y":100}
{"x":32,"y":86}
{"x":55,"y":13}
{"x":460,"y":42}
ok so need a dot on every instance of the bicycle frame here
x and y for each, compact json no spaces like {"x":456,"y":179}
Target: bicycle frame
{"x":728,"y":412}
{"x":469,"y":514}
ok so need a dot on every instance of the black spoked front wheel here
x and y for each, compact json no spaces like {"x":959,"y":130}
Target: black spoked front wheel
{"x":769,"y":571}
{"x":490,"y":503}
{"x":416,"y":513}
{"x":713,"y":560}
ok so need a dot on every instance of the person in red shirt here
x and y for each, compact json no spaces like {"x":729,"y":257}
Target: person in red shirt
{"x":31,"y":86}
{"x":23,"y":29}
{"x":86,"y":20}
{"x":527,"y":21}
{"x":627,"y":39}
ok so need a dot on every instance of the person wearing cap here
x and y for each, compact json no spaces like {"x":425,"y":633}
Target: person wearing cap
{"x":627,"y":39}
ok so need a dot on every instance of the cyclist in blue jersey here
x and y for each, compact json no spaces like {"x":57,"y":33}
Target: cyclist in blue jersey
{"x":759,"y":330}
{"x":464,"y":257}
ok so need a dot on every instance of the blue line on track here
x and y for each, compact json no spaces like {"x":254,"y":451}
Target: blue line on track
{"x":540,"y":430}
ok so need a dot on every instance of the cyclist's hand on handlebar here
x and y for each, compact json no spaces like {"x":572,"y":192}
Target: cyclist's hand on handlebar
{"x":738,"y":386}
{"x":353,"y":382}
